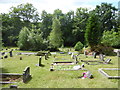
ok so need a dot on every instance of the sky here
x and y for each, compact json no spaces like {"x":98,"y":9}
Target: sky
{"x":51,"y":5}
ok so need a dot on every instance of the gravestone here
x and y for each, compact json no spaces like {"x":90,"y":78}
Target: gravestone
{"x":20,"y":58}
{"x":2,"y":53}
{"x":40,"y":60}
{"x":72,"y":56}
{"x":82,"y":65}
{"x":118,"y":53}
{"x":76,"y":60}
{"x":101,"y":57}
{"x":85,"y":53}
{"x":26,"y":74}
{"x":107,"y":61}
{"x":11,"y":53}
{"x":89,"y":75}
{"x":46,"y":56}
{"x":94,"y":54}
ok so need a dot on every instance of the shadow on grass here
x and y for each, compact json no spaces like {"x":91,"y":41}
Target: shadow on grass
{"x":28,"y":80}
{"x":3,"y":70}
{"x":40,"y":65}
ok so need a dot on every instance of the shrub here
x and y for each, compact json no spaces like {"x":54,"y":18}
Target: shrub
{"x":107,"y":50}
{"x":78,"y":46}
{"x":110,"y":38}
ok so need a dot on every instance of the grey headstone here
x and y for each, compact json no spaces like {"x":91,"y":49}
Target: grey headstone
{"x":40,"y":60}
{"x":94,"y":54}
{"x":101,"y":57}
{"x":26,"y":74}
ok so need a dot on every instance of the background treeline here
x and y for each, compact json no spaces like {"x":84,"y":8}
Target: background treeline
{"x":25,"y":28}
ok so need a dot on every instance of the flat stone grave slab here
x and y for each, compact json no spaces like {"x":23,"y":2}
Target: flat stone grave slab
{"x":68,"y":68}
{"x":104,"y":71}
{"x":63,"y":63}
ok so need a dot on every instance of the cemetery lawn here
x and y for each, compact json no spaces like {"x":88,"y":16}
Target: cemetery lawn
{"x":43,"y":78}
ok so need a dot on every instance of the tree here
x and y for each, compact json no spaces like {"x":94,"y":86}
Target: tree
{"x":46,"y":24}
{"x":78,"y":46}
{"x":26,"y":12}
{"x":79,"y":25}
{"x":56,"y":34}
{"x":93,"y":33}
{"x":110,"y":38}
{"x":23,"y":41}
{"x":107,"y":16}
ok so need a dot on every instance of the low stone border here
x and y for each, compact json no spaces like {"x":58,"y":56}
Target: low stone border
{"x":26,"y":76}
{"x":101,"y":70}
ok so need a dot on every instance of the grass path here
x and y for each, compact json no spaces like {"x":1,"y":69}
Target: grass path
{"x":43,"y":78}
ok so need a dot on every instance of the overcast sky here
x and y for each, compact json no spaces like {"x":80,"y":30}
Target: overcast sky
{"x":51,"y":5}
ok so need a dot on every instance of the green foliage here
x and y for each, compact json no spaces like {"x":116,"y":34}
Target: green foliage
{"x":31,"y":40}
{"x":93,"y":33}
{"x":111,"y":38}
{"x":56,"y":34}
{"x":107,"y":50}
{"x":78,"y":46}
{"x":23,"y":42}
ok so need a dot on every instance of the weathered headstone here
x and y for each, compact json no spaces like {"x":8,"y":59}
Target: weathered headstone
{"x":82,"y":65}
{"x":26,"y":74}
{"x":2,"y":53}
{"x":107,"y":61}
{"x":89,"y":75}
{"x":72,"y":56}
{"x":85,"y":53}
{"x":40,"y":60}
{"x":101,"y":57}
{"x":118,"y":53}
{"x":94,"y":54}
{"x":11,"y":53}
{"x":76,"y":60}
{"x":45,"y":56}
{"x":20,"y":58}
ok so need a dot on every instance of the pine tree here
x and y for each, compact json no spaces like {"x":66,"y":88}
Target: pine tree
{"x":93,"y":33}
{"x":55,"y":37}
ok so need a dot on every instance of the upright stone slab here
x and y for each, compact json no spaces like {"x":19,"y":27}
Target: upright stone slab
{"x":40,"y":60}
{"x":76,"y":60}
{"x":45,"y":56}
{"x":101,"y":57}
{"x":26,"y":74}
{"x":20,"y":58}
{"x":11,"y":53}
{"x":94,"y":54}
{"x":85,"y":53}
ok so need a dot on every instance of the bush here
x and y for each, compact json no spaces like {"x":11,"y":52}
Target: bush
{"x":107,"y":50}
{"x":78,"y":46}
{"x":110,"y":38}
{"x":42,"y":53}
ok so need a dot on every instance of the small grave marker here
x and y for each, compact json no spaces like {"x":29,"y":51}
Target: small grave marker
{"x":40,"y":61}
{"x":20,"y":58}
{"x":26,"y":74}
{"x":94,"y":54}
{"x":46,"y":56}
{"x":101,"y":57}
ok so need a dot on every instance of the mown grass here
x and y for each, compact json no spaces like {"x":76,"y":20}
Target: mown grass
{"x":43,"y":78}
